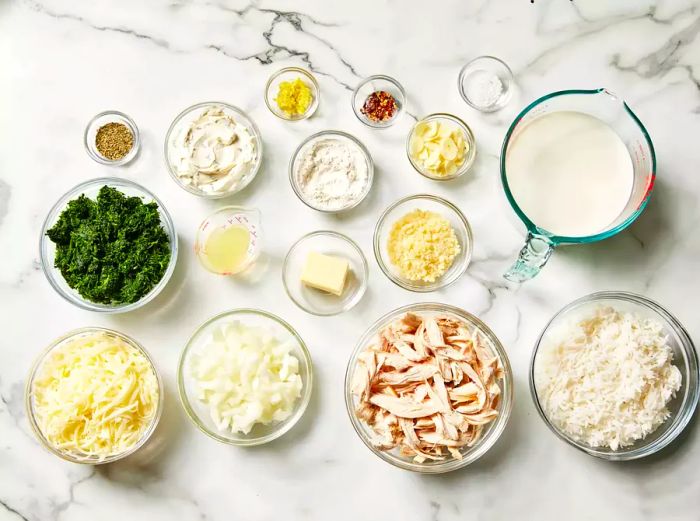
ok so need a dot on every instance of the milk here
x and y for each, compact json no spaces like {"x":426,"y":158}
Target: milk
{"x":570,"y":173}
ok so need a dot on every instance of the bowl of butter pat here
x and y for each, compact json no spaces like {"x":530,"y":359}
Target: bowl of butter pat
{"x":325,"y":273}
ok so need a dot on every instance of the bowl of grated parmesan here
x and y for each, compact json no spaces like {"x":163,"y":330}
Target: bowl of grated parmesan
{"x":615,"y":375}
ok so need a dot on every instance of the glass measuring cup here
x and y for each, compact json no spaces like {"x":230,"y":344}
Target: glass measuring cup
{"x":229,"y":241}
{"x":612,"y":110}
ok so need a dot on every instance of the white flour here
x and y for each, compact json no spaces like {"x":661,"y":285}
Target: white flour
{"x":332,"y":173}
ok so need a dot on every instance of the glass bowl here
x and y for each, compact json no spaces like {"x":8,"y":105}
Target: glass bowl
{"x":199,"y":413}
{"x":685,"y":358}
{"x":492,"y":431}
{"x":431,"y":203}
{"x":103,"y":118}
{"x":332,"y":134}
{"x":29,"y":402}
{"x":244,"y":119}
{"x":291,"y":74}
{"x":374,"y":84}
{"x":479,"y":70}
{"x":47,"y":249}
{"x":468,"y":137}
{"x":319,"y":302}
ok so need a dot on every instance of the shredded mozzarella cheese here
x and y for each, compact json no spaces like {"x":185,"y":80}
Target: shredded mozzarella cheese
{"x":246,"y":376}
{"x":94,"y":396}
{"x":607,"y":379}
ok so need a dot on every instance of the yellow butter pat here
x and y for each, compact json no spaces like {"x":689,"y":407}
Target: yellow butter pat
{"x":325,"y":272}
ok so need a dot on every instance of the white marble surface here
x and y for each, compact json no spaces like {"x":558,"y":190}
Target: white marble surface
{"x":64,"y":61}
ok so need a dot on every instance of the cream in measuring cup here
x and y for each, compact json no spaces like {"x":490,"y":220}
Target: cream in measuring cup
{"x":229,"y":240}
{"x":577,"y":166}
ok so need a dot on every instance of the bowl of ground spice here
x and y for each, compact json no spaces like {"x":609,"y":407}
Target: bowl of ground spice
{"x":112,"y":138}
{"x":108,"y":245}
{"x":378,"y":101}
{"x":423,"y":243}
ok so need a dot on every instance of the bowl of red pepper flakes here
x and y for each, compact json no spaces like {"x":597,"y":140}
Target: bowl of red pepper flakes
{"x":378,"y":101}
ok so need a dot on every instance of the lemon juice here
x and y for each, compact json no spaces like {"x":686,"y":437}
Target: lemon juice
{"x":226,"y":249}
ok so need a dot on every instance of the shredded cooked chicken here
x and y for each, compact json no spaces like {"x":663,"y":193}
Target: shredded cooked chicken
{"x":427,"y":387}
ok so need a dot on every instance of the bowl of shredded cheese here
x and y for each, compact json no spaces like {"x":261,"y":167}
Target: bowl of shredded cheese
{"x":94,"y":396}
{"x":245,"y":377}
{"x":423,"y":243}
{"x":615,"y":375}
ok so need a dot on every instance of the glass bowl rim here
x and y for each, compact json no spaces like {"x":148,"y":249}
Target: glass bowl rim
{"x":468,"y":160}
{"x":346,"y":135}
{"x":462,"y":73}
{"x":36,"y":365}
{"x":136,"y":146}
{"x":315,"y":87}
{"x":376,"y":77}
{"x":54,"y":213}
{"x":485,"y":443}
{"x":363,"y":281}
{"x":690,"y":380}
{"x":440,"y":283}
{"x":303,"y":400}
{"x":256,"y":134}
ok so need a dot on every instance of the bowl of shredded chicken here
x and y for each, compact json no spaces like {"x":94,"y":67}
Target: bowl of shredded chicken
{"x":429,"y":388}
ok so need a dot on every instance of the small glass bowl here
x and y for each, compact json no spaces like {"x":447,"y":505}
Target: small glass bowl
{"x":468,"y":137}
{"x":291,"y":74}
{"x":332,"y":134}
{"x":244,"y":119}
{"x":47,"y":249}
{"x":110,"y":116}
{"x":199,"y":413}
{"x":29,"y":402}
{"x":681,"y":407}
{"x":374,"y":84}
{"x":429,"y":203}
{"x":319,"y":302}
{"x":486,"y":65}
{"x":491,"y":432}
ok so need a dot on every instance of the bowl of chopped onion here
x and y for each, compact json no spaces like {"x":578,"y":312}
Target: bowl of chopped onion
{"x":245,"y":377}
{"x":615,"y":375}
{"x":429,"y":388}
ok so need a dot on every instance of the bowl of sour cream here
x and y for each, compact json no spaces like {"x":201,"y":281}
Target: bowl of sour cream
{"x":213,"y":149}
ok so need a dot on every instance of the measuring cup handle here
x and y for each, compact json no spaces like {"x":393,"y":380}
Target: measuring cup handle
{"x":532,"y":257}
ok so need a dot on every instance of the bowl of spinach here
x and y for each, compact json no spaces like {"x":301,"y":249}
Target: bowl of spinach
{"x":108,"y":245}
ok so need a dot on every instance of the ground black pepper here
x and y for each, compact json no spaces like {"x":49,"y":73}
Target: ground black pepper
{"x":114,"y":140}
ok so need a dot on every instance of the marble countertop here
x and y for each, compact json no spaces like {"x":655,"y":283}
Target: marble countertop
{"x":63,"y":62}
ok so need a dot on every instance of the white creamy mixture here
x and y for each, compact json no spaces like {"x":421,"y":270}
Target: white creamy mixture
{"x":570,"y":173}
{"x":331,"y":173}
{"x":212,"y":151}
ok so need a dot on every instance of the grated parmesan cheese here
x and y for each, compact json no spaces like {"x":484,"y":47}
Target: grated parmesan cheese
{"x":422,"y":245}
{"x":94,"y":396}
{"x":606,"y":380}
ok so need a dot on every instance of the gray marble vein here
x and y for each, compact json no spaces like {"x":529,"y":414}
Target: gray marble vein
{"x":65,"y":61}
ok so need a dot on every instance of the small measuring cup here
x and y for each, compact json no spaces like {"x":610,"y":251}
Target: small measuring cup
{"x":226,"y":217}
{"x":609,"y":108}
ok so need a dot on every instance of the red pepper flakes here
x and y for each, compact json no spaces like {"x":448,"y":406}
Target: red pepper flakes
{"x":380,"y":106}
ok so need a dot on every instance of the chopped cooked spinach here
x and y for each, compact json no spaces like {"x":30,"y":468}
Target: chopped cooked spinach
{"x":112,"y":250}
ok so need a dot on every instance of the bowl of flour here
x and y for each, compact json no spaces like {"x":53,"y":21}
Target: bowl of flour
{"x":331,"y":171}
